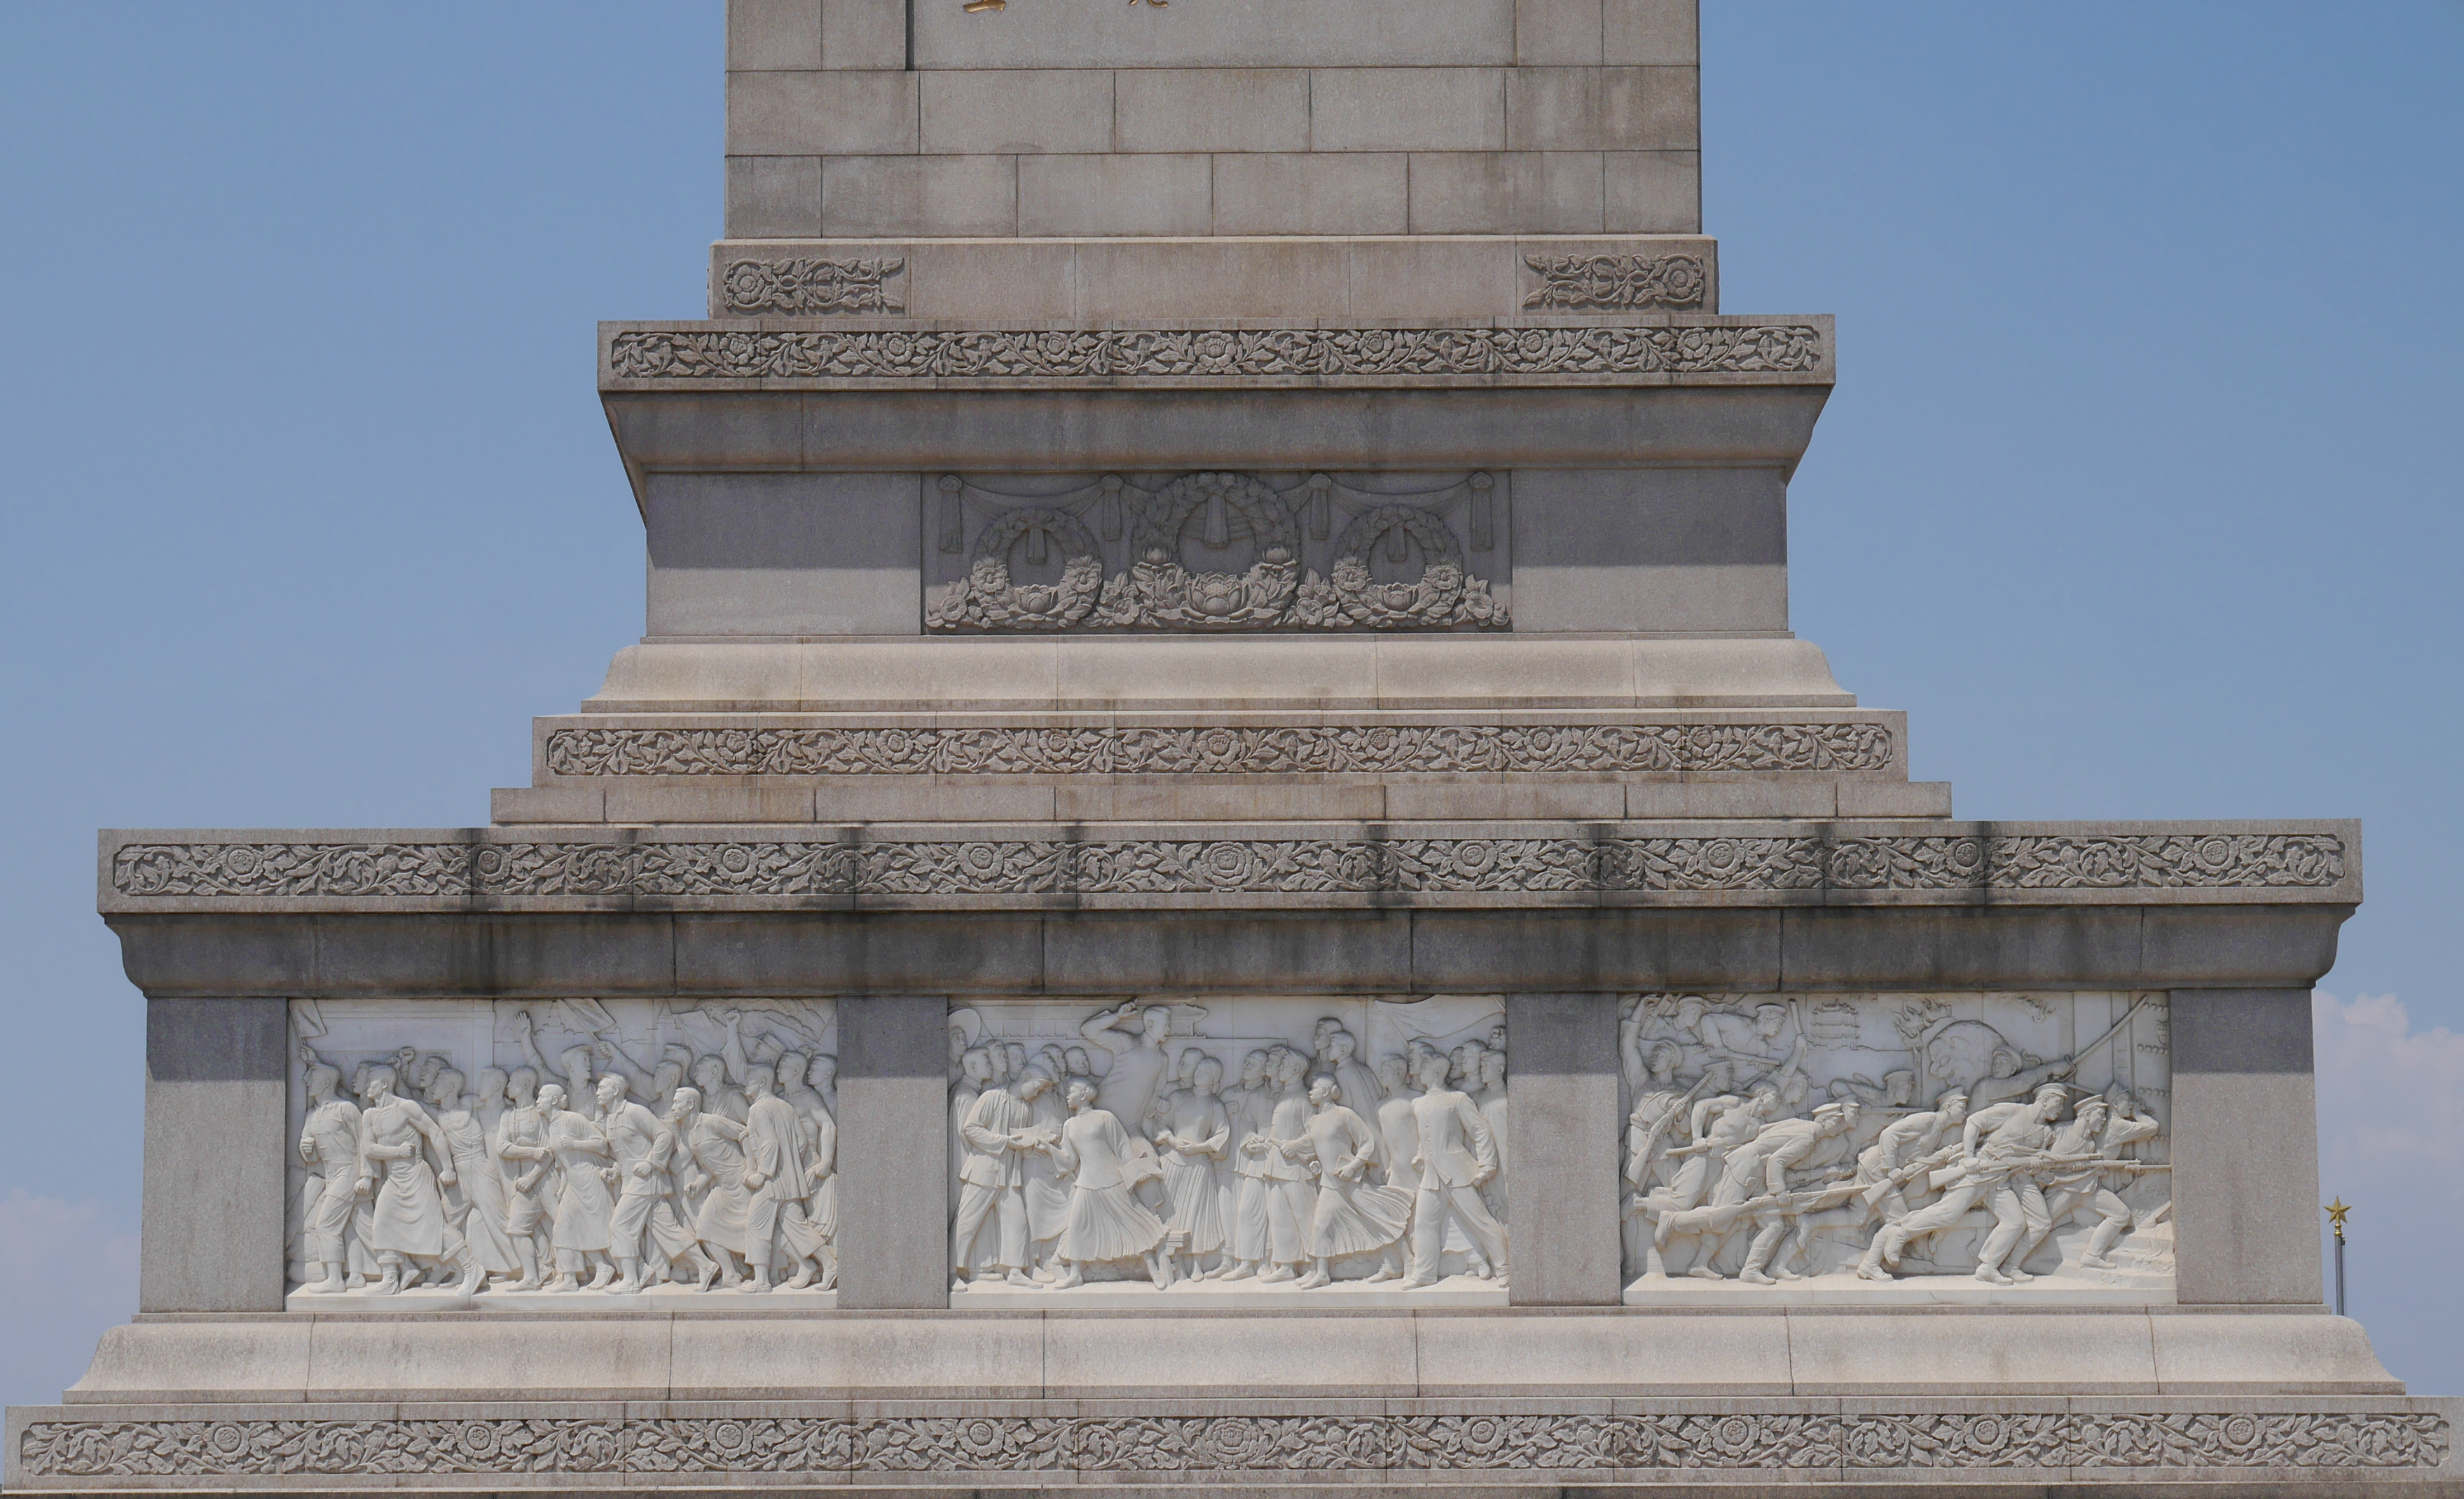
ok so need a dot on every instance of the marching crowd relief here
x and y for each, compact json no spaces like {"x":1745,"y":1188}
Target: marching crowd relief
{"x":1233,"y":1144}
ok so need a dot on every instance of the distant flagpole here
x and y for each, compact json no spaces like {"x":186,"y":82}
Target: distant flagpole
{"x":2336,"y":1211}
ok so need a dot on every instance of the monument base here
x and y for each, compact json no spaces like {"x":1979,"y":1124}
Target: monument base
{"x":1523,"y":1399}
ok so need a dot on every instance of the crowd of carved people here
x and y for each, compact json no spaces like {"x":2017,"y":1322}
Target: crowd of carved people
{"x":1736,"y":1170}
{"x":1305,"y":1166}
{"x":600,"y":1173}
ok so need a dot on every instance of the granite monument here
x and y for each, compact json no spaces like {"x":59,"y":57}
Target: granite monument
{"x":1218,"y":870}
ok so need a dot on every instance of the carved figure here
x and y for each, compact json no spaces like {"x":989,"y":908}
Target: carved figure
{"x":1284,"y":1157}
{"x":778,"y":1179}
{"x":480,"y":1218}
{"x":717,"y":1144}
{"x":645,"y":1149}
{"x":1251,"y":1229}
{"x":1456,"y":1157}
{"x":1106,"y":1222}
{"x":1128,"y":1088}
{"x":997,"y":1129}
{"x":1350,"y":1216}
{"x":407,"y":1224}
{"x":2015,"y":1136}
{"x":520,"y":1144}
{"x":329,"y":1143}
{"x":1195,"y":1137}
{"x":584,"y":1206}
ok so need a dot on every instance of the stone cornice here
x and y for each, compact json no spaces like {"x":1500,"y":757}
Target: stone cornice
{"x":1202,"y":866}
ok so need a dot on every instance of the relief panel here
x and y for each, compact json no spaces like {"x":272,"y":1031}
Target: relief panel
{"x":1217,"y":551}
{"x":1897,"y":1147}
{"x":1217,"y":1151}
{"x":563,"y":1152}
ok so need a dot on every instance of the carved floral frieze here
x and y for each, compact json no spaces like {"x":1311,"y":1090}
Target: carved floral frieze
{"x":823,"y":354}
{"x":2114,"y":1444}
{"x":1322,"y":748}
{"x":1615,"y":284}
{"x":805,"y":286}
{"x":826,"y":867}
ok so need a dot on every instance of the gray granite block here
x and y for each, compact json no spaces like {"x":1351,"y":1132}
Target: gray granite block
{"x":210,"y":1236}
{"x":893,"y":1150}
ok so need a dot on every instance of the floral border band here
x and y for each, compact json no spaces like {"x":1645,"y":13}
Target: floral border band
{"x":2120,"y":1443}
{"x":699,"y":354}
{"x":855,"y":862}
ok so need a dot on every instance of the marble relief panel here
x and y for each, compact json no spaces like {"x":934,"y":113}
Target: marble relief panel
{"x":1170,"y":1150}
{"x":1958,"y":1146}
{"x":561,"y":1153}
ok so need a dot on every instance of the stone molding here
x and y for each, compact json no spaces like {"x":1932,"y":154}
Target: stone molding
{"x":1251,"y":750}
{"x":1611,"y":860}
{"x":639,"y":357}
{"x":805,"y":286}
{"x":2010,"y":1442}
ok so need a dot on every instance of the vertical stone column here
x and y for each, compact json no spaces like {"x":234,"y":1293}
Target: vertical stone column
{"x":893,"y":1150}
{"x":1562,"y":1150}
{"x":2245,"y":1131}
{"x":210,"y":1239}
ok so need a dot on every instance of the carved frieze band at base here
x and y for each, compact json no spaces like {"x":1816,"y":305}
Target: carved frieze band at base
{"x":1775,"y":348}
{"x":1567,"y":865}
{"x":1320,"y":748}
{"x":2116,"y":1445}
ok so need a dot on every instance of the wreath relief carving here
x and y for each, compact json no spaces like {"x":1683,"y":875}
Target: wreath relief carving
{"x":1399,"y":562}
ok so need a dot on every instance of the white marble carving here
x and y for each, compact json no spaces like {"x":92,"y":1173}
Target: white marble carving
{"x":1921,"y":1146}
{"x":555,"y":1152}
{"x":1229,"y":1147}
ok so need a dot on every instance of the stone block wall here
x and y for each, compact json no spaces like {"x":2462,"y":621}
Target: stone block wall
{"x":866,"y":119}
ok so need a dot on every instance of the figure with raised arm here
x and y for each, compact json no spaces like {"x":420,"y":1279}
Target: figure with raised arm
{"x":1127,"y":1087}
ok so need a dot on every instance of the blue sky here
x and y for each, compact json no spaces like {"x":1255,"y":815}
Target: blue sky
{"x":2137,"y":491}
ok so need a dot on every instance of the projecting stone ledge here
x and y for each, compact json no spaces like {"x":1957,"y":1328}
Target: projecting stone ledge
{"x":1222,"y":866}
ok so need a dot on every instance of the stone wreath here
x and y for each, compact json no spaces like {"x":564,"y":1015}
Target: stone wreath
{"x":1157,"y":593}
{"x":1443,"y":594}
{"x":987,"y":598}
